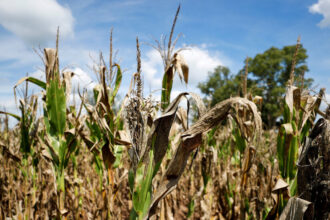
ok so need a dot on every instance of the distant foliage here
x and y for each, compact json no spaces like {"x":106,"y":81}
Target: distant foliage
{"x":268,"y":74}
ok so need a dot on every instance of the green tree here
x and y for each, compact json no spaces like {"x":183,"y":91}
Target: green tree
{"x":271,"y":71}
{"x":268,"y":75}
{"x":220,"y":85}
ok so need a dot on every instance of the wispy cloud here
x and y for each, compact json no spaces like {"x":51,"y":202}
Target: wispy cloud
{"x":322,"y":7}
{"x":15,"y":52}
{"x":201,"y":61}
{"x":36,"y":21}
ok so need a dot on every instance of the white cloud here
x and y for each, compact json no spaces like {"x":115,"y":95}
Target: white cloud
{"x":199,"y":59}
{"x":13,"y":49}
{"x":200,"y":62}
{"x":82,"y":80}
{"x":322,"y":7}
{"x":152,"y":68}
{"x":36,"y":21}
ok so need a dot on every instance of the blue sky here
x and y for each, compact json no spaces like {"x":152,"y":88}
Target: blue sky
{"x":219,"y":32}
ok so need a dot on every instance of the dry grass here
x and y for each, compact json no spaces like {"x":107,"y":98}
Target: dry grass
{"x":128,"y":163}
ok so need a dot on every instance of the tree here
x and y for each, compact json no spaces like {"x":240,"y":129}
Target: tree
{"x":220,"y":85}
{"x":268,"y":75}
{"x":271,"y":71}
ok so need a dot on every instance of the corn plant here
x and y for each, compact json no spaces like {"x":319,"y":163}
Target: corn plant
{"x":60,"y":132}
{"x":173,"y":63}
{"x":28,"y":125}
{"x":313,"y":172}
{"x":141,"y":187}
{"x":150,"y":151}
{"x":298,"y":117}
{"x":101,"y":133}
{"x":103,"y":123}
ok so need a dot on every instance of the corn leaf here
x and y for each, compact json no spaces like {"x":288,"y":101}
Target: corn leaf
{"x":33,"y":80}
{"x":294,"y":209}
{"x":117,"y":84}
{"x":192,"y":138}
{"x":167,"y":87}
{"x":56,"y":108}
{"x":11,"y":114}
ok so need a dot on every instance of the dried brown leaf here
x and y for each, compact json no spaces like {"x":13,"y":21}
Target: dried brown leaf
{"x":294,"y":209}
{"x":107,"y":155}
{"x":67,"y":77}
{"x":192,"y":138}
{"x":182,"y":117}
{"x":199,"y":103}
{"x":160,"y":131}
{"x":51,"y":61}
{"x":280,"y":185}
{"x":181,"y":67}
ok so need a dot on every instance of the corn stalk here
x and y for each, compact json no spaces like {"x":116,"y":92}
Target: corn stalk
{"x":298,"y":117}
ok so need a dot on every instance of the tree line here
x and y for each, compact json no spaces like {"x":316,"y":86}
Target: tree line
{"x":268,"y":73}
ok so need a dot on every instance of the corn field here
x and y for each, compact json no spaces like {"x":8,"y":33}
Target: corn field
{"x":141,"y":158}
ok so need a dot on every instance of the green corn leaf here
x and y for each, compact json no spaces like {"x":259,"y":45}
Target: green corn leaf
{"x":146,"y":187}
{"x":240,"y":141}
{"x":33,"y":80}
{"x":95,"y":131}
{"x":131,"y":179}
{"x":133,"y":215}
{"x":62,"y":153}
{"x":53,"y":151}
{"x":11,"y":114}
{"x":292,"y":157}
{"x":71,"y":147}
{"x":167,"y":88}
{"x":56,"y":108}
{"x":142,"y":184}
{"x":293,"y":187}
{"x":191,"y":207}
{"x":146,"y":204}
{"x":98,"y":164}
{"x":118,"y":152}
{"x":286,"y":114}
{"x":25,"y":138}
{"x":136,"y":201}
{"x":305,"y":131}
{"x":119,"y":77}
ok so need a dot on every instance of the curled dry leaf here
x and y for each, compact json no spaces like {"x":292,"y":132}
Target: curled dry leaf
{"x":160,"y":129}
{"x":67,"y":77}
{"x":159,"y":134}
{"x":199,"y":103}
{"x":309,"y":104}
{"x":181,"y":67}
{"x":291,"y":96}
{"x":182,"y":117}
{"x":247,"y":162}
{"x":192,"y":138}
{"x":98,"y":91}
{"x":51,"y":64}
{"x":313,"y":169}
{"x":9,"y":154}
{"x":294,"y":209}
{"x":280,"y":185}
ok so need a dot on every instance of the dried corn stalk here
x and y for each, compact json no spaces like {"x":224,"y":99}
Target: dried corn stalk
{"x":192,"y":138}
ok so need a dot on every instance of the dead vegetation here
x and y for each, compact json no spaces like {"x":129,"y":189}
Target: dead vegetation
{"x":98,"y":162}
